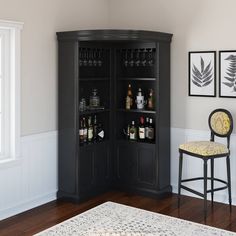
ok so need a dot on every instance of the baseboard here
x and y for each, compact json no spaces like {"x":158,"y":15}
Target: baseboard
{"x":27,"y":205}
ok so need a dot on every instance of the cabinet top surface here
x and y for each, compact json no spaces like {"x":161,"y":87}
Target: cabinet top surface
{"x":114,"y":35}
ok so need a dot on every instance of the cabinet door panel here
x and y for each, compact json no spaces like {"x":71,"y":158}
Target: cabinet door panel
{"x":146,"y":166}
{"x":126,"y":163}
{"x":86,"y":169}
{"x":102,"y":165}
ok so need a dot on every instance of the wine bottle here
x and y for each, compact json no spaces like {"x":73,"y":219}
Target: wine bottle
{"x":133,"y":132}
{"x":141,"y":129}
{"x":146,"y":128}
{"x":85,"y":132}
{"x":129,"y":98}
{"x":95,"y":128}
{"x":151,"y":130}
{"x":90,"y":129}
{"x":81,"y":132}
{"x":150,"y":103}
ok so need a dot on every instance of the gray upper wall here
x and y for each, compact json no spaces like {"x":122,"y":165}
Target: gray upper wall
{"x":195,"y":24}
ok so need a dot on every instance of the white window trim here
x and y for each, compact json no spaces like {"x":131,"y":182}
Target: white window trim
{"x":13,"y":153}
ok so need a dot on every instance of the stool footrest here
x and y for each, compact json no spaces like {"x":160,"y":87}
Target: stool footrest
{"x":202,"y":178}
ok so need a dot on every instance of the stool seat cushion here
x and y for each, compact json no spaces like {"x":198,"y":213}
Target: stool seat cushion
{"x":204,"y":148}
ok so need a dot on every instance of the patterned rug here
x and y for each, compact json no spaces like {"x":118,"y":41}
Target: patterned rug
{"x":112,"y":219}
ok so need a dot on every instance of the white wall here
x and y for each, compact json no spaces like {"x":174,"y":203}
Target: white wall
{"x":196,"y":25}
{"x":32,"y":180}
{"x":42,"y":19}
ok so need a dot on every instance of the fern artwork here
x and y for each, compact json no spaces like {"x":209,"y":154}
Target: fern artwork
{"x":227,"y":73}
{"x":202,"y":73}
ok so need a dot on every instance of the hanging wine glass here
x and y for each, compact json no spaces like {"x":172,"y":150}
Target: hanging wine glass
{"x":131,"y":58}
{"x":85,"y":55}
{"x":95,"y":58}
{"x":90,"y":57}
{"x":80,"y":57}
{"x":125,"y":56}
{"x":150,"y":57}
{"x":99,"y":58}
{"x":143,"y":57}
{"x":137,"y":58}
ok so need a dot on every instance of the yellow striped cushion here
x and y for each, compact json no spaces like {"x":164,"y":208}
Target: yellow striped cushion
{"x":204,"y":148}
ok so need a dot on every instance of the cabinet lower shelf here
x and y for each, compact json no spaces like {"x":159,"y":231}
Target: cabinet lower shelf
{"x":92,"y":144}
{"x":131,"y":142}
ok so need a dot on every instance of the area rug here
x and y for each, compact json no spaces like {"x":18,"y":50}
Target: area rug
{"x":113,"y":219}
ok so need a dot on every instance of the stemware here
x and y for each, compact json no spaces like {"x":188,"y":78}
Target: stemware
{"x":99,"y":58}
{"x":137,"y":58}
{"x":85,"y":56}
{"x":131,"y":58}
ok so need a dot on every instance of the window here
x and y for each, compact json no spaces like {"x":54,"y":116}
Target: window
{"x":9,"y":90}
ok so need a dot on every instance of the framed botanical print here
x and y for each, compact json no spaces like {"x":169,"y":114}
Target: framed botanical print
{"x":202,"y":73}
{"x":227,"y":74}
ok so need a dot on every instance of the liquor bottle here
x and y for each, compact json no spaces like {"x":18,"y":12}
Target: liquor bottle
{"x":129,"y":98}
{"x":95,"y":128}
{"x":85,"y":132}
{"x":140,"y":99}
{"x":133,"y":132}
{"x":150,"y":103}
{"x":141,"y":129}
{"x":146,"y":128}
{"x":81,"y":132}
{"x":151,"y":130}
{"x":90,"y":129}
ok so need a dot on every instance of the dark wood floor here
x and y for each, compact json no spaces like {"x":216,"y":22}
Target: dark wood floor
{"x":42,"y":217}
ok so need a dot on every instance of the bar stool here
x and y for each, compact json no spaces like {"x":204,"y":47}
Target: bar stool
{"x":221,"y":125}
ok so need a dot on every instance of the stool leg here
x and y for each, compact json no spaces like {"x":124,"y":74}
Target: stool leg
{"x":229,"y":181}
{"x":205,"y":188}
{"x":212,"y":181}
{"x":180,"y":175}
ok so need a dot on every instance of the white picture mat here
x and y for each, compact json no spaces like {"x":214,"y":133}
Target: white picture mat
{"x":225,"y":91}
{"x":195,"y":59}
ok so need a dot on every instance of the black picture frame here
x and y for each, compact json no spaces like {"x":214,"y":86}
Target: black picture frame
{"x":227,"y":73}
{"x":202,"y":73}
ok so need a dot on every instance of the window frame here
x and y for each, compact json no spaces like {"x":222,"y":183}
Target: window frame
{"x":11,"y":89}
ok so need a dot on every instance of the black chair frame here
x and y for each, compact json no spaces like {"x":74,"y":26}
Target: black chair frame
{"x":227,"y":184}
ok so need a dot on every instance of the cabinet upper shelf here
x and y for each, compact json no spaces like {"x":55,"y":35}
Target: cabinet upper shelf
{"x":137,"y":111}
{"x":94,"y":78}
{"x":88,"y":112}
{"x":138,"y":79}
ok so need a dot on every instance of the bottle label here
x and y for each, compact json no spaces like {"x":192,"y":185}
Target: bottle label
{"x":141,"y":133}
{"x":81,"y":132}
{"x":90,"y":134}
{"x":151,"y":133}
{"x":128,"y":103}
{"x":85,"y":134}
{"x":146,"y":132}
{"x":132,"y":135}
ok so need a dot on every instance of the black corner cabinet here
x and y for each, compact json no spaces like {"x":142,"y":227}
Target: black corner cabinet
{"x":110,"y":60}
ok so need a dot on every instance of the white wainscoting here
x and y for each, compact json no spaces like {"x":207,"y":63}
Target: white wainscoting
{"x":193,"y":167}
{"x":31,"y":181}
